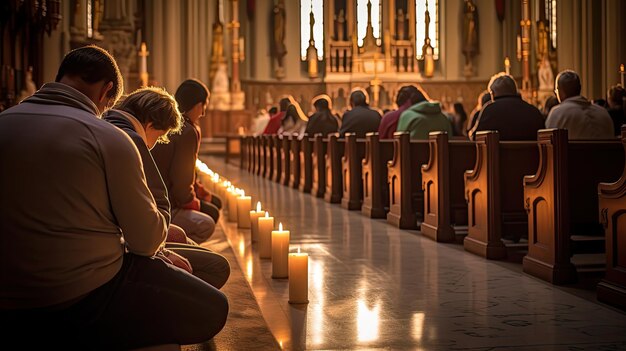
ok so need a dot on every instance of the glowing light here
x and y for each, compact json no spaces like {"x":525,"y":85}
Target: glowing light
{"x":280,"y":226}
{"x":267,"y":215}
{"x":305,"y":27}
{"x":361,"y":20}
{"x":249,"y":267}
{"x":417,"y":329}
{"x":433,"y":27}
{"x":242,"y":247}
{"x":258,"y":206}
{"x":368,"y":321}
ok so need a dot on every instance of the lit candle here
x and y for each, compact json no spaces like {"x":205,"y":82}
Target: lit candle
{"x":519,"y":48}
{"x":298,"y":277}
{"x":143,"y":68}
{"x":232,"y":204}
{"x":244,"y":203}
{"x":280,"y":252}
{"x":507,"y":65}
{"x":621,"y":73}
{"x":266,"y":226}
{"x":254,"y":222}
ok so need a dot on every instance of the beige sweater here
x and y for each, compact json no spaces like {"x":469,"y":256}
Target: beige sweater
{"x":71,"y":185}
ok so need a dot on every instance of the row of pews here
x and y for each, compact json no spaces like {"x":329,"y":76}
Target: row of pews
{"x":557,"y":199}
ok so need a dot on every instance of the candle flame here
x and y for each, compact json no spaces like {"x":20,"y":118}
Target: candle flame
{"x":258,"y":206}
{"x":507,"y":62}
{"x":280,"y":226}
{"x":621,"y":68}
{"x":267,"y":215}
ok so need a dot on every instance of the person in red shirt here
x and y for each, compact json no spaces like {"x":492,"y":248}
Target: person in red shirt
{"x":274,"y":124}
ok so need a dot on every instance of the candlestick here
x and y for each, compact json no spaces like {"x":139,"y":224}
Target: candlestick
{"x":298,"y":277}
{"x":243,"y":211}
{"x":507,"y":65}
{"x":280,"y":252}
{"x":621,"y":73}
{"x":143,"y":66}
{"x":254,"y":222}
{"x":266,"y":226}
{"x":519,"y":48}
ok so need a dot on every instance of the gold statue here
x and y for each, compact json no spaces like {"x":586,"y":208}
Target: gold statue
{"x":470,"y":34}
{"x":542,"y":40}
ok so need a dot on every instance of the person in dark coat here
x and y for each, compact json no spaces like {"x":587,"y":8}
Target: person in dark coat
{"x":361,"y":119}
{"x":322,"y":121}
{"x":512,"y":117}
{"x":616,"y":98}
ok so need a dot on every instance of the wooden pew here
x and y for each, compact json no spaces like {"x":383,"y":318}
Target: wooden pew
{"x":562,"y":203}
{"x":318,"y":163}
{"x":306,"y":164}
{"x":249,"y":153}
{"x":495,"y":194}
{"x":406,"y":202}
{"x":375,"y":184}
{"x":242,"y":155}
{"x":445,"y":208}
{"x":257,"y":156}
{"x":294,"y":160}
{"x":262,"y":158}
{"x":285,"y":170}
{"x":277,"y":145}
{"x":612,"y":206}
{"x":351,"y":165}
{"x":334,"y":178}
{"x":269,"y":156}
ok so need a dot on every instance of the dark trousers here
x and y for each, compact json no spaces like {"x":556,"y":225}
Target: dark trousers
{"x":147,"y":303}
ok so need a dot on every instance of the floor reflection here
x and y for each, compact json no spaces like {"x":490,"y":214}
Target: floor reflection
{"x":372,"y":286}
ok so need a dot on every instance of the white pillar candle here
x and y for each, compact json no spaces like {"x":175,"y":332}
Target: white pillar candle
{"x":280,"y":252}
{"x":254,"y":222}
{"x":232,"y":205}
{"x":298,"y":277}
{"x":266,"y":226}
{"x":244,"y":203}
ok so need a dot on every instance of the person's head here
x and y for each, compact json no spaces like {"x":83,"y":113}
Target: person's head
{"x":549,"y":104}
{"x":322,"y":102}
{"x":501,"y":84}
{"x":192,"y":97}
{"x":615,"y":96}
{"x":273,"y":110}
{"x":410,"y":93}
{"x":567,"y":85}
{"x":156,"y":110}
{"x":358,"y":98}
{"x":460,"y":111}
{"x":94,"y":72}
{"x":601,"y":102}
{"x":284,"y":103}
{"x":484,"y":98}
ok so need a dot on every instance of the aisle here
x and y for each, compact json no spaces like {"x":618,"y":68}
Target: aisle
{"x":374,"y":286}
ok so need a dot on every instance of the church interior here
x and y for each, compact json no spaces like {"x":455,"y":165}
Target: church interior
{"x":455,"y":241}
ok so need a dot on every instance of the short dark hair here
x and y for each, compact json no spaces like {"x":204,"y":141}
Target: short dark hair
{"x":502,"y":84}
{"x":358,"y":98}
{"x":616,"y":95}
{"x":410,"y":93}
{"x":273,"y":110}
{"x":284,"y":103}
{"x":568,"y":83}
{"x":190,"y":93}
{"x":154,"y":105}
{"x":92,"y":64}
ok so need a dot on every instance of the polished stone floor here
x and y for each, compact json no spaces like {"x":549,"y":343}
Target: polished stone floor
{"x":372,"y":286}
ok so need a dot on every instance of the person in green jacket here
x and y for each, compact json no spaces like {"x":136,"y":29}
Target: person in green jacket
{"x":422,"y":118}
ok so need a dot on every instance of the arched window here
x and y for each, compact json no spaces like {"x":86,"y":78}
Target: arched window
{"x":361,"y":19}
{"x":306,"y":6}
{"x":433,"y":27}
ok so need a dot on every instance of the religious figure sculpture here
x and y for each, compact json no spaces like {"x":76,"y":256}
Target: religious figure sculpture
{"x":470,"y":35}
{"x":546,"y":76}
{"x":29,"y":85}
{"x":542,"y":40}
{"x":401,"y":25}
{"x":340,"y":25}
{"x":280,"y":50}
{"x":220,"y":93}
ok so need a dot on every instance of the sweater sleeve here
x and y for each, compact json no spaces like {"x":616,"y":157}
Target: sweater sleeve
{"x":143,"y":225}
{"x":182,"y":168}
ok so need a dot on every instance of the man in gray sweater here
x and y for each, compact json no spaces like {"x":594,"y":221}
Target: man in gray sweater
{"x":79,"y":226}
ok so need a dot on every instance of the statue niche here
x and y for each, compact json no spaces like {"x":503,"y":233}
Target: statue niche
{"x":470,"y":36}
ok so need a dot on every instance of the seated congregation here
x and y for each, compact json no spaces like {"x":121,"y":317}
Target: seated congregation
{"x":543,"y":188}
